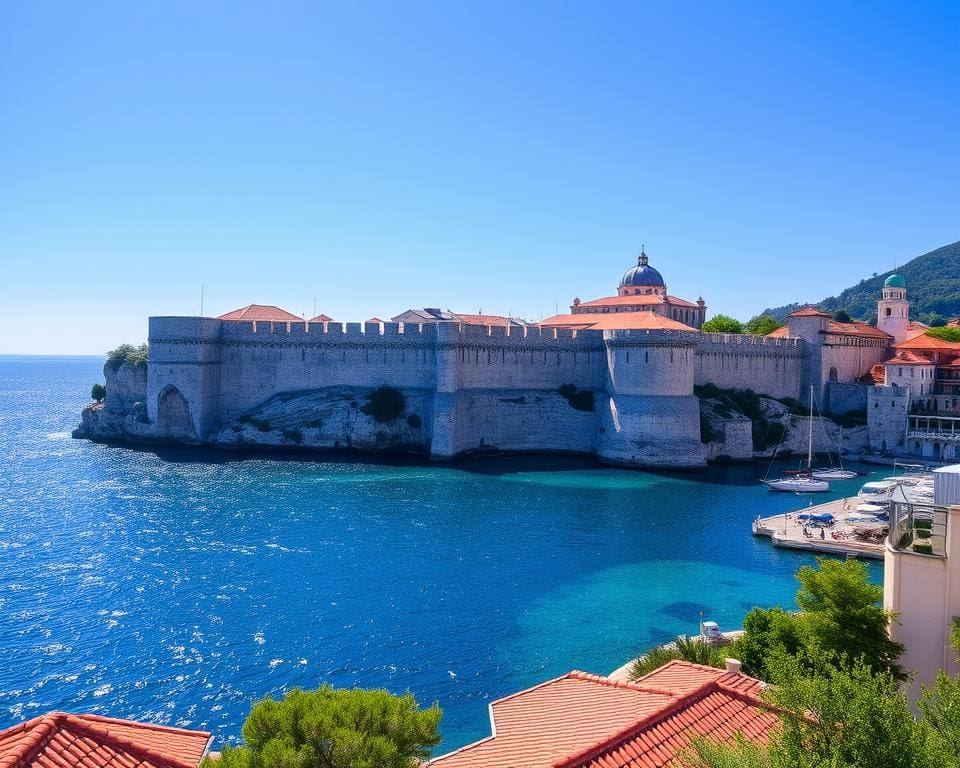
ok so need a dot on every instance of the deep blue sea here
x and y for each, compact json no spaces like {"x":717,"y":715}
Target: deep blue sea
{"x":179,"y":587}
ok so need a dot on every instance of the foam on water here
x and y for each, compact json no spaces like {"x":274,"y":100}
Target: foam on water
{"x":165,"y":588}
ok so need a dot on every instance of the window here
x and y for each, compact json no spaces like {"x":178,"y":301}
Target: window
{"x":888,"y":312}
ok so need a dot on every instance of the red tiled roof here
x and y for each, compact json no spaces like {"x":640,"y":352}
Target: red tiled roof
{"x":496,"y":320}
{"x":613,"y":321}
{"x":582,"y":720}
{"x":927,"y":343}
{"x":876,"y":375}
{"x":641,"y":299}
{"x":856,"y":328}
{"x":60,"y":739}
{"x":375,"y":319}
{"x":783,"y":332}
{"x":906,"y":357}
{"x":809,"y":312}
{"x":265,"y":312}
{"x":322,"y":318}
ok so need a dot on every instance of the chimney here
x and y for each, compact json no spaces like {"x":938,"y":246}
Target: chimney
{"x":733,"y":666}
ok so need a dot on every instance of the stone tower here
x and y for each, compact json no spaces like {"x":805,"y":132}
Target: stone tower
{"x":893,"y":310}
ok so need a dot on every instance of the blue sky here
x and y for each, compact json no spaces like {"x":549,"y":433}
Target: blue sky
{"x":496,"y":156}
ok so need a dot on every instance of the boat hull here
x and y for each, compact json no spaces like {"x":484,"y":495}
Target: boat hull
{"x":834,"y":474}
{"x":798,"y":486}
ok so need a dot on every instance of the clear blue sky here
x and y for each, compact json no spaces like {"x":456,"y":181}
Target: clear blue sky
{"x":499,"y":156}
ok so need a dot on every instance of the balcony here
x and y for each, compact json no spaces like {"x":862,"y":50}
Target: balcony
{"x":920,"y":529}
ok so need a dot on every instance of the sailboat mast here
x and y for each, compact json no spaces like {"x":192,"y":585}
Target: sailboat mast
{"x":810,"y":434}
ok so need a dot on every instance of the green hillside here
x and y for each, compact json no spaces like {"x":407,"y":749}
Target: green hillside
{"x":933,"y":289}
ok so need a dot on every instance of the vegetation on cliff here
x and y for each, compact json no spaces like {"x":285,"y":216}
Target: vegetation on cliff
{"x":98,"y":392}
{"x":579,"y":399}
{"x":933,"y":288}
{"x":335,"y":728}
{"x":127,"y":353}
{"x":742,"y":402}
{"x":385,"y":404}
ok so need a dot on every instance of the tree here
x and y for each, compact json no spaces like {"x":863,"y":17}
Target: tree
{"x":841,"y":316}
{"x":761,"y":325}
{"x":843,"y":718}
{"x":723,"y":324}
{"x":841,"y":616}
{"x":329,"y":728}
{"x":98,"y":392}
{"x":768,"y":634}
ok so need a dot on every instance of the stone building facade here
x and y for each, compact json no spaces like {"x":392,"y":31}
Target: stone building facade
{"x":623,"y":391}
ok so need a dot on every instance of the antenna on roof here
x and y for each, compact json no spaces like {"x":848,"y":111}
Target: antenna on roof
{"x":314,"y":307}
{"x":201,"y":299}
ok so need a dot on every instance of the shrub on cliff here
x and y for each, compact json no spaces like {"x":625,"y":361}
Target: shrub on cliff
{"x":332,"y":728}
{"x":127,"y":353}
{"x":579,"y":399}
{"x":98,"y":392}
{"x":385,"y":404}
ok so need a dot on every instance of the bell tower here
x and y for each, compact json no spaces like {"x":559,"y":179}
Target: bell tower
{"x":893,"y":310}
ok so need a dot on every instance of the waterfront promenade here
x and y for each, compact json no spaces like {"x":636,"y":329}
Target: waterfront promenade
{"x":788,"y":531}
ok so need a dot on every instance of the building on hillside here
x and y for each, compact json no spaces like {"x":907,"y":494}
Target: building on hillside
{"x":642,"y":302}
{"x":586,"y":721}
{"x":921,"y":578}
{"x":62,"y":740}
{"x":915,"y":408}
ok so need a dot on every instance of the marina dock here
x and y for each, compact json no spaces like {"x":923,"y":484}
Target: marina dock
{"x":787,"y":531}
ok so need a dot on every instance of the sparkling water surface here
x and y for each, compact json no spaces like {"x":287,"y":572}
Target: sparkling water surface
{"x":179,"y":586}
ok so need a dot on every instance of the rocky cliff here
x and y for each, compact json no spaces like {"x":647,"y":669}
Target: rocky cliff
{"x":123,"y":413}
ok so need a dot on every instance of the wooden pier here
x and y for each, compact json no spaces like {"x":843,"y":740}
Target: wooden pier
{"x":787,"y":531}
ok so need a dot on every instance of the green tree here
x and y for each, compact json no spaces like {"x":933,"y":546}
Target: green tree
{"x":842,"y":617}
{"x":841,"y":316}
{"x":127,"y":353}
{"x":98,"y":392}
{"x":761,"y":325}
{"x":329,"y":728}
{"x":723,"y":324}
{"x":940,"y":707}
{"x":690,"y":649}
{"x":842,"y":718}
{"x":768,"y":634}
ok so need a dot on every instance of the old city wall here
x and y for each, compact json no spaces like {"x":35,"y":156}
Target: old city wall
{"x":769,"y":366}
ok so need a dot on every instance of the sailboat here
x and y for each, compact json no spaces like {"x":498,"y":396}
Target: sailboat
{"x":801,"y":481}
{"x":835,"y":472}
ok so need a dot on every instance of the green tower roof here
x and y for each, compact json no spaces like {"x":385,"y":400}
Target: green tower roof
{"x":894,"y":281}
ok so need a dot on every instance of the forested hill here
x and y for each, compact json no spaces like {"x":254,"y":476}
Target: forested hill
{"x":933,"y":289}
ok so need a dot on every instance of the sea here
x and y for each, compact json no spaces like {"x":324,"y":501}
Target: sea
{"x":179,"y":586}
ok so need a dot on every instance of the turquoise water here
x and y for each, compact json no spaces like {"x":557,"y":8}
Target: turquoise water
{"x":179,"y":587}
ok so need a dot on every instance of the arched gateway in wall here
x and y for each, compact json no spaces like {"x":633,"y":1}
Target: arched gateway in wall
{"x":173,"y":414}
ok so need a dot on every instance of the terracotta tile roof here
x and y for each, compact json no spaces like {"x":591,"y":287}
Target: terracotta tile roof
{"x":809,"y":312}
{"x":642,"y":299}
{"x":582,"y":720}
{"x":375,"y":319}
{"x":321,"y":318}
{"x":877,"y":375}
{"x":906,"y":357}
{"x":783,"y":332}
{"x":59,"y":739}
{"x":927,"y":343}
{"x":613,"y":321}
{"x":856,"y":328}
{"x":495,"y":320}
{"x":265,"y":312}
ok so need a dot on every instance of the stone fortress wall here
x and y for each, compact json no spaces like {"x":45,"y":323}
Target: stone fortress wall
{"x":472,"y":388}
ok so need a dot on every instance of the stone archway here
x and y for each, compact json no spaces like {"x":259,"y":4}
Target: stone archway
{"x":173,"y":414}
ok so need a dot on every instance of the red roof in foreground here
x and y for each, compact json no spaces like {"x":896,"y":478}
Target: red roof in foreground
{"x":89,"y":741}
{"x":614,"y":321}
{"x":923,"y":342}
{"x":586,"y":721}
{"x":265,"y":312}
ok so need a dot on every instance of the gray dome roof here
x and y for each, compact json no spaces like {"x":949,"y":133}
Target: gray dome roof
{"x":642,"y":274}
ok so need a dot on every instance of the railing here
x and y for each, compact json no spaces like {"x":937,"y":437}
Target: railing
{"x":918,"y":528}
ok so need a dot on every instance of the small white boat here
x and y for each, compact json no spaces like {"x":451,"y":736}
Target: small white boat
{"x":798,"y":484}
{"x":877,"y":491}
{"x":834,"y":473}
{"x":801,"y":481}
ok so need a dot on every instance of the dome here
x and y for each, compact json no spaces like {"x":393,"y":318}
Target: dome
{"x":894,"y":281}
{"x":642,"y":274}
